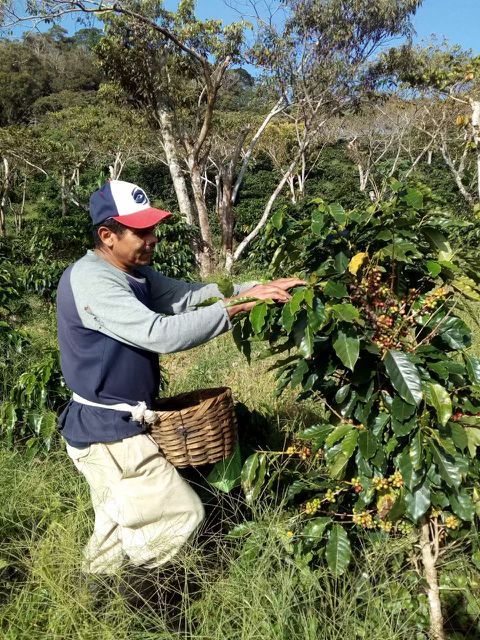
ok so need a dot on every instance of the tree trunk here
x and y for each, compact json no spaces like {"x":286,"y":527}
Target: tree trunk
{"x":205,"y":253}
{"x":363,"y":177}
{"x":266,"y":212}
{"x":278,"y":108}
{"x":429,"y":549}
{"x":476,"y":136}
{"x":5,"y":186}
{"x":457,"y":175}
{"x":171,"y":152}
{"x":19,"y":215}
{"x":226,"y":216}
{"x":291,"y":186}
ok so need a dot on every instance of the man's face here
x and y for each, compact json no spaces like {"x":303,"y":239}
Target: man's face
{"x":134,"y":248}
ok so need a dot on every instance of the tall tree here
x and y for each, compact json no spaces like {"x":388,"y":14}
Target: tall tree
{"x":322,"y":60}
{"x":173,"y":65}
{"x":448,"y":78}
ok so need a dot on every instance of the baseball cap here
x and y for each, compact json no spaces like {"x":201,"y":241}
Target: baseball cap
{"x":126,"y":203}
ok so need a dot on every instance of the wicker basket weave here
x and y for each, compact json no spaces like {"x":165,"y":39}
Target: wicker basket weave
{"x":196,"y":428}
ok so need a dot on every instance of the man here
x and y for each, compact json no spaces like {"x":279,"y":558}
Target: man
{"x":115,"y":315}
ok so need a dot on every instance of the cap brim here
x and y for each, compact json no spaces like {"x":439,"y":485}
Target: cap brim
{"x":143,"y":219}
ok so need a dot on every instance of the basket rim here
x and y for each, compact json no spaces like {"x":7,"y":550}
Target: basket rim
{"x":198,"y":395}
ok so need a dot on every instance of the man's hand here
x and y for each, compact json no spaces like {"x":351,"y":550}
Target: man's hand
{"x":276,"y":290}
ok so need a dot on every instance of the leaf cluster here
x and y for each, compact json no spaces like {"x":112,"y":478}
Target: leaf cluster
{"x":374,"y":338}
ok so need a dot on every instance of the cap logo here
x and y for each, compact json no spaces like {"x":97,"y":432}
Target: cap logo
{"x":139,"y":196}
{"x":125,"y":202}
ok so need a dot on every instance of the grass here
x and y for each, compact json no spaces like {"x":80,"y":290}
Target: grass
{"x":245,"y":589}
{"x":221,"y":588}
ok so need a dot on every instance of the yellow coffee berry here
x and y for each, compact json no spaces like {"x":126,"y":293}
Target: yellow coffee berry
{"x":363,"y":519}
{"x":385,"y":525}
{"x":451,"y":522}
{"x":380,"y":484}
{"x":396,"y":480}
{"x":312,"y":506}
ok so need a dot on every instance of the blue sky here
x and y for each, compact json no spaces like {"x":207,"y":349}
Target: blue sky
{"x":456,"y":20}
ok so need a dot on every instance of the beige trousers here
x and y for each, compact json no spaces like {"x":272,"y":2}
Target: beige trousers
{"x":143,"y":508}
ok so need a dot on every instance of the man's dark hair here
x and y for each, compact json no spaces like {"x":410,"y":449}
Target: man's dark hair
{"x":113,"y":225}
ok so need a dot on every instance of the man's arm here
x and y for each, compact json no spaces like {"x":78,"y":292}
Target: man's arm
{"x":276,"y":290}
{"x":172,"y":296}
{"x":106,"y":303}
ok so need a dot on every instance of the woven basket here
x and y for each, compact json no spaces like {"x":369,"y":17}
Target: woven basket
{"x":196,"y":428}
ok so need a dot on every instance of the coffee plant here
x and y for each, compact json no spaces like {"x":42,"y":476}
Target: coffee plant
{"x":28,"y":403}
{"x":374,"y":338}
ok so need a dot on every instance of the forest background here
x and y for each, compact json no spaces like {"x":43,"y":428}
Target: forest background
{"x":243,"y":131}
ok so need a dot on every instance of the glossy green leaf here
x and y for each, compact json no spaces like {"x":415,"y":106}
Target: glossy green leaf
{"x":439,"y":242}
{"x":345,"y":312}
{"x":473,"y":368}
{"x":308,"y":296}
{"x":335,"y":290}
{"x":306,"y":343}
{"x":349,"y":443}
{"x":473,"y":438}
{"x":417,"y":502}
{"x":338,"y":213}
{"x":225,"y":475}
{"x":341,"y":262}
{"x":338,"y":551}
{"x":447,"y":467}
{"x":434,"y":268}
{"x":398,"y":508}
{"x":413,"y":198}
{"x":402,"y":410}
{"x":316,"y":433}
{"x":288,"y":318}
{"x":462,"y":505}
{"x":316,"y":316}
{"x":347,"y":347}
{"x":338,"y":465}
{"x":439,"y":369}
{"x":252,"y":475}
{"x":411,"y":477}
{"x":440,"y":400}
{"x":318,"y":222}
{"x":342,"y":394}
{"x":459,"y":435}
{"x":404,"y":376}
{"x":379,"y":423}
{"x":226,"y":287}
{"x":315,"y":527}
{"x":416,"y":451}
{"x":367,"y":443}
{"x":298,"y":373}
{"x":455,"y":333}
{"x":296,"y":301}
{"x":338,"y":434}
{"x":242,"y":530}
{"x":257,"y":316}
{"x":403,"y":428}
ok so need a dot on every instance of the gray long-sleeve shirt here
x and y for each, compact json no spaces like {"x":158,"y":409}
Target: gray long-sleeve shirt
{"x":111,"y":328}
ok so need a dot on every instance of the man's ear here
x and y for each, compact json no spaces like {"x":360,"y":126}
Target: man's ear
{"x":106,"y":235}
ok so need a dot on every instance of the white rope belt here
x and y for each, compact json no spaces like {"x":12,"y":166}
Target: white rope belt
{"x":139,"y":411}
